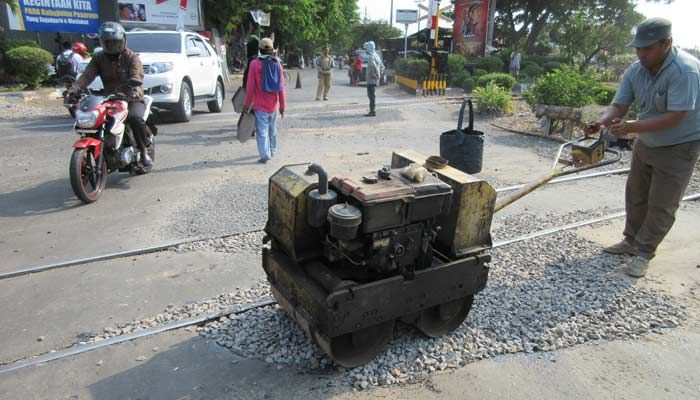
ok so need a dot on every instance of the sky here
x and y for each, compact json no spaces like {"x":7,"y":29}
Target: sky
{"x":683,"y":13}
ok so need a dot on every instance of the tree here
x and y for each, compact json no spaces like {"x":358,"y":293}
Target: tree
{"x":525,"y":20}
{"x":586,"y":31}
{"x":14,"y":5}
{"x":373,"y":30}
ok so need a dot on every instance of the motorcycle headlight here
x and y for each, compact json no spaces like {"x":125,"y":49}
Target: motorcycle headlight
{"x":85,"y":119}
{"x":159,"y":68}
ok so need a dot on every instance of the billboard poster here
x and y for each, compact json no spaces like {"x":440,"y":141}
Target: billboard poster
{"x":159,"y":12}
{"x":470,"y":27}
{"x":69,"y":16}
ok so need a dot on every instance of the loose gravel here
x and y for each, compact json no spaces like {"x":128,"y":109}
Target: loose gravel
{"x":543,"y":295}
{"x":248,"y":242}
{"x":15,"y":110}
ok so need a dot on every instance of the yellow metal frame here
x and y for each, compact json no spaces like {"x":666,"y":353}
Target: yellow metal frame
{"x":408,"y":82}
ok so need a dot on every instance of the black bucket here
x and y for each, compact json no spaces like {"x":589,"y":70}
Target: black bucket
{"x":464,"y":149}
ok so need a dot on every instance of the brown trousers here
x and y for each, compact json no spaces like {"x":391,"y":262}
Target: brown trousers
{"x":324,"y":86}
{"x":656,"y":184}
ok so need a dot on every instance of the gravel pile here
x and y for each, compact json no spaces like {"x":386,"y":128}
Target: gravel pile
{"x":507,"y":227}
{"x":234,"y":205}
{"x":173,"y":313}
{"x":250,"y":242}
{"x":542,"y":295}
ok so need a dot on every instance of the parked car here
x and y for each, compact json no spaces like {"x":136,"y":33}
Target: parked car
{"x":363,"y":73}
{"x":181,"y":70}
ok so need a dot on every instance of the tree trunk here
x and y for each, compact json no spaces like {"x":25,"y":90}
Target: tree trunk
{"x":535,"y":32}
{"x":589,"y":57}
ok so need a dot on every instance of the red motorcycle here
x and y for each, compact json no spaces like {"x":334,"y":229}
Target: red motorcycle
{"x":106,"y":143}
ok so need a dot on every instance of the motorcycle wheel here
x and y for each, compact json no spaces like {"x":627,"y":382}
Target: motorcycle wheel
{"x":87,"y":180}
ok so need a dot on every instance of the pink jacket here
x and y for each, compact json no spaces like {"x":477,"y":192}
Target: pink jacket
{"x":261,"y":100}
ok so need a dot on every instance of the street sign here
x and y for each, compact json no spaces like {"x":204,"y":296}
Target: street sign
{"x":406,"y":16}
{"x":260,"y":17}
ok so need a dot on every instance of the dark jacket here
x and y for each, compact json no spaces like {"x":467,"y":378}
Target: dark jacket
{"x":115,"y":74}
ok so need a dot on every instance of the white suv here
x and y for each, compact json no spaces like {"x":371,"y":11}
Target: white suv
{"x":181,"y":69}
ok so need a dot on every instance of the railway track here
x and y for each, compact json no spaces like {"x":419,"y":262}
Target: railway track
{"x":203,"y":319}
{"x":169,"y":245}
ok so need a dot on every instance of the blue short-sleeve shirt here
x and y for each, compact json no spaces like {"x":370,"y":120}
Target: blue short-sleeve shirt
{"x":675,"y":88}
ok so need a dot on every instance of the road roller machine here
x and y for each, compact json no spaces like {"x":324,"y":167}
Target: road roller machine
{"x":351,"y":255}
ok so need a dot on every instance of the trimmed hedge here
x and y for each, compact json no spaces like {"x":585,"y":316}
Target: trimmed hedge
{"x":480,"y":72}
{"x":457,"y":80}
{"x":413,"y":68}
{"x":551,"y":66}
{"x":504,"y":81}
{"x":564,"y":87}
{"x":604,"y":95}
{"x":29,"y":65}
{"x":532,"y":71}
{"x":490,"y":64}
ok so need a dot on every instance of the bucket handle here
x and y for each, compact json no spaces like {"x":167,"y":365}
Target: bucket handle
{"x":461,"y":116}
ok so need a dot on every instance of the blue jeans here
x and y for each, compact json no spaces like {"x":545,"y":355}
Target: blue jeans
{"x":266,"y":133}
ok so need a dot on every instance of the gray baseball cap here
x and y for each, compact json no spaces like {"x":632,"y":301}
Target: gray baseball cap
{"x":650,"y":32}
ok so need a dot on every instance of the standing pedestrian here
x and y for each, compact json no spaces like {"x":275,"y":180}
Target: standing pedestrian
{"x":665,"y":82}
{"x":266,"y":95}
{"x":357,"y":68}
{"x":324,"y":65}
{"x":375,"y":70}
{"x":514,"y":66}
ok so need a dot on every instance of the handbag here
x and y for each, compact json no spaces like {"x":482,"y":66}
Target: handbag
{"x":246,"y":125}
{"x":238,"y":100}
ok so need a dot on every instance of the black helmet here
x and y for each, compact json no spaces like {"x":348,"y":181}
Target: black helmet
{"x":112,"y":38}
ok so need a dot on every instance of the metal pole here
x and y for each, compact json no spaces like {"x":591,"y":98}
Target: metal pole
{"x":492,"y":17}
{"x":405,"y":40}
{"x":391,"y":14}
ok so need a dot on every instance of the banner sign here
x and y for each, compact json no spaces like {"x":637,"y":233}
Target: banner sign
{"x":470,"y":27}
{"x":159,"y":12}
{"x":69,"y":16}
{"x":260,"y":17}
{"x":406,"y":16}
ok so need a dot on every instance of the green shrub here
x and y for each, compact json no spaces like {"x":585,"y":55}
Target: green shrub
{"x":503,"y":80}
{"x":618,"y":64}
{"x":532,"y":71}
{"x":455,"y":64}
{"x":413,"y":68}
{"x":468,"y":85}
{"x":9,"y":44}
{"x":604,"y":95}
{"x":457,"y":80}
{"x":490,"y":64}
{"x":493,"y":99}
{"x":550,"y":66}
{"x":29,"y":64}
{"x":564,"y":87}
{"x":480,"y":72}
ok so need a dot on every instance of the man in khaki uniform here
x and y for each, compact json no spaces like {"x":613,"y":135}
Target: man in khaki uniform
{"x":665,"y":83}
{"x":324,"y":66}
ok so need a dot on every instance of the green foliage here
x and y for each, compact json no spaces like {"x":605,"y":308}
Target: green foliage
{"x":493,"y":99}
{"x":604,"y":95}
{"x":457,"y":80}
{"x":490,"y":64}
{"x":619,"y":63}
{"x":480,"y":72}
{"x":564,"y":87}
{"x":532,"y":71}
{"x":29,"y":64}
{"x":551,"y":66}
{"x":412,"y":68}
{"x":455,"y":65}
{"x":505,"y":81}
{"x":374,"y":31}
{"x":468,"y":85}
{"x":9,"y":44}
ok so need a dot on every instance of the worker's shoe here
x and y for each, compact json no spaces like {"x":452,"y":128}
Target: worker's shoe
{"x":371,"y":114}
{"x":624,"y":247}
{"x":636,"y":266}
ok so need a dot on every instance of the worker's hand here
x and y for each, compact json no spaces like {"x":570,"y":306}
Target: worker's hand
{"x":282,"y":113}
{"x":134,"y":96}
{"x":618,"y":127}
{"x":593,"y":127}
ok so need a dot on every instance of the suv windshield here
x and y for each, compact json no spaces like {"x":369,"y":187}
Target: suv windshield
{"x":143,"y":42}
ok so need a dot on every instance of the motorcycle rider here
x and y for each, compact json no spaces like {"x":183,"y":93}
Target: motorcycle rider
{"x":117,"y":65}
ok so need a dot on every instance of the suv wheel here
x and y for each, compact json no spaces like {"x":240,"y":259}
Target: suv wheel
{"x":183,"y":111}
{"x":217,"y":105}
